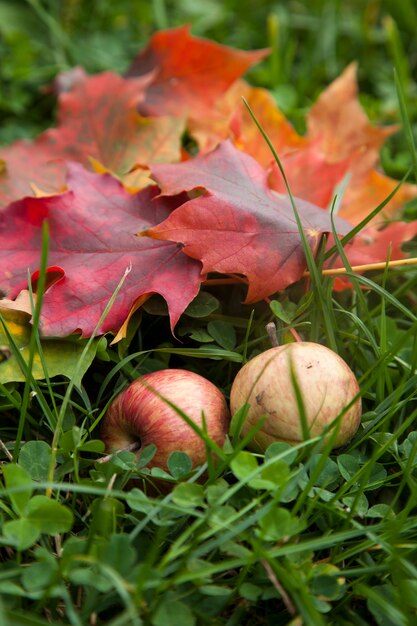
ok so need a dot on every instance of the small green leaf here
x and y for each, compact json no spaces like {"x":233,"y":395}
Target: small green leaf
{"x":215,"y":590}
{"x":221,"y":517}
{"x":90,"y":577}
{"x":188,"y":495}
{"x":249,"y":591}
{"x":179,"y":464}
{"x":146,"y":455}
{"x":277,"y":524}
{"x":348,"y":465}
{"x":243,"y":465}
{"x":158,"y":472}
{"x":233,"y":548}
{"x":381,"y":511}
{"x":327,"y":587}
{"x":11,"y":589}
{"x":174,"y":613}
{"x":139,"y":501}
{"x":202,"y":305}
{"x":329,"y":470}
{"x":378,"y":474}
{"x":279,"y":312}
{"x":119,"y":553}
{"x":20,"y":533}
{"x":275,"y":475}
{"x":216,"y":491}
{"x":156,"y":305}
{"x":384,"y":607}
{"x":358,"y":504}
{"x":34,"y":457}
{"x":105,"y":512}
{"x":201,"y":335}
{"x":49,"y":516}
{"x":279,"y":447}
{"x":223,"y":333}
{"x":409,"y":589}
{"x":16,"y":477}
{"x":93,"y":445}
{"x":38,"y":575}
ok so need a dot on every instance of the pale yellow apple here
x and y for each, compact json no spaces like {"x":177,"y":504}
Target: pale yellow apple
{"x":325,"y":381}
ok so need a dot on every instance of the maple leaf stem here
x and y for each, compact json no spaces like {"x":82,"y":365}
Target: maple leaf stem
{"x":335,"y":271}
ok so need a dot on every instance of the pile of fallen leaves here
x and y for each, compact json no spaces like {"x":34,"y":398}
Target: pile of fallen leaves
{"x":119,"y":189}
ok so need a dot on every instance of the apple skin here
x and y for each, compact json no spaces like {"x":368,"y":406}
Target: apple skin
{"x":327,"y":386}
{"x":140,"y":414}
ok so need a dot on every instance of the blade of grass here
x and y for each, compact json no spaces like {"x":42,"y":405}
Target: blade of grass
{"x":406,"y":120}
{"x":33,"y":336}
{"x":66,"y":400}
{"x":309,"y":256}
{"x":356,"y":229}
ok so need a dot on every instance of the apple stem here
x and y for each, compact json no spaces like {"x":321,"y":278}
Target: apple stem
{"x":130,"y":448}
{"x":271,"y":329}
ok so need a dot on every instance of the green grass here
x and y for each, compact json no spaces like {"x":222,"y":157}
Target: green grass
{"x":298,"y":535}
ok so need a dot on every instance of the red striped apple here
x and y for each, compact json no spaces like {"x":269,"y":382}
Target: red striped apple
{"x":326,"y":383}
{"x":141,"y":414}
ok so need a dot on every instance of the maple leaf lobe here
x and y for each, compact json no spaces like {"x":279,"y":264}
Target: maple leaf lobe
{"x":239,"y":226}
{"x":191,"y":73}
{"x":92,"y":238}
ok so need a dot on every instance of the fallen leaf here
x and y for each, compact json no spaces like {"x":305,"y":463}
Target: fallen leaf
{"x":373,"y":245}
{"x":234,"y":122}
{"x":97,"y":120}
{"x":366,"y":192}
{"x":190,"y":73}
{"x":309,"y":174}
{"x":27,"y":162}
{"x":281,"y":133}
{"x":21,"y":304}
{"x":339,"y":122}
{"x":238,"y":225}
{"x":92,"y":238}
{"x":61,"y":357}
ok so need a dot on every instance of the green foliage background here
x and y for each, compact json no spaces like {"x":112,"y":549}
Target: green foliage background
{"x":312,"y":41}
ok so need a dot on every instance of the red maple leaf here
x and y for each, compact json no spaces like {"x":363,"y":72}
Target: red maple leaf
{"x":92,"y":242}
{"x":230,"y":119}
{"x":309,"y":175}
{"x":340,"y":139}
{"x":372,"y":246}
{"x":342,"y":126}
{"x":97,"y":119}
{"x":190,"y":73}
{"x":238,"y":225}
{"x":27,"y":163}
